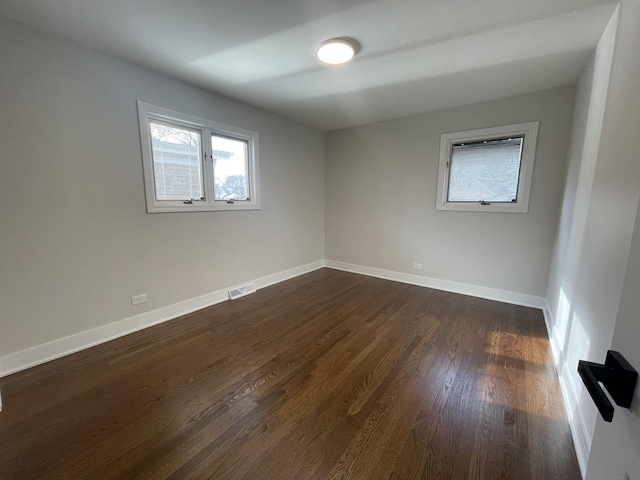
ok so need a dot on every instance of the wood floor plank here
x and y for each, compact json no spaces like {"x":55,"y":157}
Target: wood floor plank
{"x":330,"y":375}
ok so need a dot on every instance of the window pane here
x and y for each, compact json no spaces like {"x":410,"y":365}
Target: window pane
{"x":486,"y":170}
{"x":177,"y":167}
{"x":230,"y":167}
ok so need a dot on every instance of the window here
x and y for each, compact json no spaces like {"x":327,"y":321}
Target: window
{"x":487,"y":170}
{"x":193,"y":164}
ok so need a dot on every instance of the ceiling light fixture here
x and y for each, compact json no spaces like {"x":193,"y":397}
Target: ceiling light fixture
{"x":337,"y":50}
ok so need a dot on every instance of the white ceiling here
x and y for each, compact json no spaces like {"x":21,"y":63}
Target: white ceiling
{"x":417,"y":55}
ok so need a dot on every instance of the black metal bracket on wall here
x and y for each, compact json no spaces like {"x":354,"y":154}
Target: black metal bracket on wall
{"x":618,"y":377}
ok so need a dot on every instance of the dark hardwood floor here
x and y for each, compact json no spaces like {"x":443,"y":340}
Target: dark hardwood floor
{"x":330,"y":375}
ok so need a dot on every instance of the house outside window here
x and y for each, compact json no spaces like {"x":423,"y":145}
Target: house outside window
{"x":194,"y":164}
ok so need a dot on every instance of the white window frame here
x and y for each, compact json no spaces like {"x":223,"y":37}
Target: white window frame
{"x":148,"y":112}
{"x":528,"y":130}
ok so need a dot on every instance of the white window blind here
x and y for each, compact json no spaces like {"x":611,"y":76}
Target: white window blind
{"x":485,"y":171}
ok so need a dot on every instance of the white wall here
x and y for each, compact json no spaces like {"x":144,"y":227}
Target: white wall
{"x":574,"y":329}
{"x":596,"y":225}
{"x":381,"y":196}
{"x":616,"y":446}
{"x":76,"y":241}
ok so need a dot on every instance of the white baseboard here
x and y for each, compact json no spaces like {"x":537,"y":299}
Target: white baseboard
{"x":569,"y":392}
{"x":549,"y":322}
{"x":30,"y":357}
{"x":278,"y":277}
{"x":506,"y":296}
{"x":577,"y":424}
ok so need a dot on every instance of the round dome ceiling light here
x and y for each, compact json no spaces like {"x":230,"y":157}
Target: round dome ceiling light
{"x":337,"y":50}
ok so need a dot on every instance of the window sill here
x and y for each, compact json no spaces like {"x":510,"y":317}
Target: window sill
{"x":492,"y":208}
{"x":201,"y":208}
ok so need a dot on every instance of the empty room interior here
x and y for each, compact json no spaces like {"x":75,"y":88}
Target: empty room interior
{"x":293,"y":239}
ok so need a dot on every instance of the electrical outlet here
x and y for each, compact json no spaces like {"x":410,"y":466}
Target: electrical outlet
{"x":417,"y":266}
{"x":138,"y":299}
